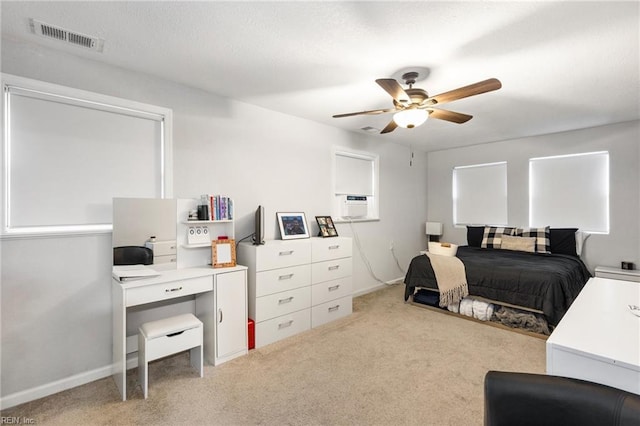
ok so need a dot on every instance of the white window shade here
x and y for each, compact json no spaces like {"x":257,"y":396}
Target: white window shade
{"x":68,"y":153}
{"x":570,"y":191}
{"x":354,"y":175}
{"x":480,"y":194}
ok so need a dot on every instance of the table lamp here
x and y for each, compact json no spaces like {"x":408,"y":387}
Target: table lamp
{"x":433,"y":230}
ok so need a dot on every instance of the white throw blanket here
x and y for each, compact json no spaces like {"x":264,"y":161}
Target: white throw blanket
{"x":450,"y":277}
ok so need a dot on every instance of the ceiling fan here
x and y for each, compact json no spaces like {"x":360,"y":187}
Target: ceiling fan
{"x":412,"y":106}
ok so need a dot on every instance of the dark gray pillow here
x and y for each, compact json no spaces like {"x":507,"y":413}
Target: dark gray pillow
{"x":474,"y":236}
{"x":563,"y":241}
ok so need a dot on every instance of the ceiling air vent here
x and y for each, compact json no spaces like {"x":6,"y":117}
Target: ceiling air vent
{"x":66,"y":36}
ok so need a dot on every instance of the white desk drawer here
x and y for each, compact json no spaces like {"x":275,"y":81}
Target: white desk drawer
{"x":330,"y":270}
{"x":285,"y":302}
{"x":171,"y":258}
{"x":277,"y":280}
{"x":281,"y":254}
{"x":282,"y":327}
{"x":170,"y":290}
{"x":330,"y":248}
{"x":162,"y":248}
{"x":331,"y":311}
{"x":330,"y":290}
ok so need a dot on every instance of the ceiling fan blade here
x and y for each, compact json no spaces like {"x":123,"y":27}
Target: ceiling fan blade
{"x":393,"y":88}
{"x":454,"y":117}
{"x":390,"y":127}
{"x":371,"y":112}
{"x":466,"y":91}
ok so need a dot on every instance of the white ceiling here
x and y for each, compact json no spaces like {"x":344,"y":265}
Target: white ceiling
{"x":563,"y":65}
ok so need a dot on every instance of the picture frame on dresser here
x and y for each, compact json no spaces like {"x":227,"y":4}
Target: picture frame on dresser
{"x":223,"y":253}
{"x":326,"y":227}
{"x":293,"y":225}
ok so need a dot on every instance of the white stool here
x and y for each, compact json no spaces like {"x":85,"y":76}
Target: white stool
{"x":165,"y":337}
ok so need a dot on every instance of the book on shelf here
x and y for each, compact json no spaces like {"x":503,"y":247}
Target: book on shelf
{"x":220,"y":206}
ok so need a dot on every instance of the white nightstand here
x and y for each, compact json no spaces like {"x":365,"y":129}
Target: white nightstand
{"x":617,"y":273}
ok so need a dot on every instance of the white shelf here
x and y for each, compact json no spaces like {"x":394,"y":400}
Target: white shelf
{"x":205,"y":222}
{"x":193,"y":246}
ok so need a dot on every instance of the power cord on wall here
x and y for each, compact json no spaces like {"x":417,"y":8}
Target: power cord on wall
{"x":366,"y":262}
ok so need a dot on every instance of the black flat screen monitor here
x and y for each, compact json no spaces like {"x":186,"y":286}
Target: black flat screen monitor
{"x":258,"y":236}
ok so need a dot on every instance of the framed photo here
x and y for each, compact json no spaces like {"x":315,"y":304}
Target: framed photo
{"x":292,"y":225}
{"x":223,"y":253}
{"x":327,"y":228}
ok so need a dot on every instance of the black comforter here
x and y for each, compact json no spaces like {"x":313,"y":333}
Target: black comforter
{"x":547,"y":282}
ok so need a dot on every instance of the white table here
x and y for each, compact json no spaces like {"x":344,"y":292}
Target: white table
{"x":222,"y":340}
{"x":598,"y":339}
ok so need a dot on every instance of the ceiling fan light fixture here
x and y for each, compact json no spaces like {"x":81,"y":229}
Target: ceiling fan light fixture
{"x":410,"y":118}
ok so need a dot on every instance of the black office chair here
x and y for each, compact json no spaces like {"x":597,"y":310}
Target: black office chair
{"x":132,"y":255}
{"x":536,"y":399}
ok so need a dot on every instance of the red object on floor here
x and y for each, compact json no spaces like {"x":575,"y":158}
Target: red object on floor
{"x":251,"y":328}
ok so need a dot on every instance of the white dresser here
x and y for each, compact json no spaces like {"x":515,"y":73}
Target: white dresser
{"x":331,"y":270}
{"x":296,"y":284}
{"x":617,"y":273}
{"x":598,"y":339}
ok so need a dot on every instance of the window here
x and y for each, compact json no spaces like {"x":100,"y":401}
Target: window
{"x":68,"y":152}
{"x":355,"y":189}
{"x":570,"y":191}
{"x":480,"y":194}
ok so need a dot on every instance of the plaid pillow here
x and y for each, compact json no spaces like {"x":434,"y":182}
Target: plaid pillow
{"x":492,"y":237}
{"x":543,"y":243}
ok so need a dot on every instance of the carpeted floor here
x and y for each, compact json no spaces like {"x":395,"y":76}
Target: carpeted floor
{"x":389,"y":363}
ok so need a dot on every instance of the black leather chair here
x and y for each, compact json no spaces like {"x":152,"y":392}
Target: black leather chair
{"x":132,"y":255}
{"x":536,"y":399}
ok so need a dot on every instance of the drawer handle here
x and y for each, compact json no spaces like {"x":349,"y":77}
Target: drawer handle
{"x":172,"y":260}
{"x":287,"y":300}
{"x":335,"y":287}
{"x":334,"y":267}
{"x":334,"y":308}
{"x":175,"y":334}
{"x":285,"y":277}
{"x":169,"y":290}
{"x":220,"y":316}
{"x":285,"y":253}
{"x":337,"y":246}
{"x":285,"y":324}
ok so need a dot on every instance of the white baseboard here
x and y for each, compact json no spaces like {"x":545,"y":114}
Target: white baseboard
{"x":54,"y":387}
{"x":378,"y":287}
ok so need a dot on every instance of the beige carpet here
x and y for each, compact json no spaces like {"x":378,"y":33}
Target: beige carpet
{"x":389,"y":363}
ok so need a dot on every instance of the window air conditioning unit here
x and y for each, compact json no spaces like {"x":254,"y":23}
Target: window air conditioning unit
{"x":354,"y":206}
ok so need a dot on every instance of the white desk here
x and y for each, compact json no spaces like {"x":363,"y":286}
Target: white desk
{"x":204,"y":284}
{"x":598,"y":339}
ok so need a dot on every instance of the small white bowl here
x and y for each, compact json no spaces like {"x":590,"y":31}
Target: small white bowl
{"x":443,"y":249}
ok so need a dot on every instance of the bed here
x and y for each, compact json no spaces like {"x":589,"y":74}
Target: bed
{"x":541,"y":281}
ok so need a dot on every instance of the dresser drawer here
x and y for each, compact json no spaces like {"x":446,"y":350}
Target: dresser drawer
{"x":277,"y":280}
{"x":281,"y":254}
{"x":330,"y":248}
{"x":330,"y":290}
{"x":330,"y":270}
{"x":170,"y":290}
{"x":282,"y":327}
{"x":285,"y":302}
{"x":331,"y":311}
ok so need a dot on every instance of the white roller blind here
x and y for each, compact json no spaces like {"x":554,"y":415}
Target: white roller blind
{"x":570,"y":191}
{"x":67,"y":157}
{"x":480,"y":194}
{"x":354,"y":175}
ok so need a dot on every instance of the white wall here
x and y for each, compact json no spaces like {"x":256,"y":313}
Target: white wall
{"x":55,"y":294}
{"x":621,"y":140}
